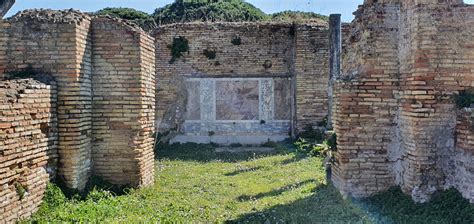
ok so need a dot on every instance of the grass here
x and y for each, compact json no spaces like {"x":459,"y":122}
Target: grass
{"x":195,"y":184}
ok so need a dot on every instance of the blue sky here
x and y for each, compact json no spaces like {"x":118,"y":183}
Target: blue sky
{"x":326,"y":7}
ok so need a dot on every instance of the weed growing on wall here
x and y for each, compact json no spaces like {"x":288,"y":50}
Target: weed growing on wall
{"x":236,"y":40}
{"x":20,"y":190}
{"x":465,"y":98}
{"x":179,"y":46}
{"x":209,"y":54}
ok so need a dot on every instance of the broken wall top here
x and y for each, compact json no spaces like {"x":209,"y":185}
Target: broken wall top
{"x":251,"y":26}
{"x":70,"y":16}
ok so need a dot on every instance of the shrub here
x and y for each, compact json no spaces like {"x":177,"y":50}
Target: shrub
{"x":318,"y":150}
{"x":142,"y":19}
{"x":298,"y":16}
{"x":54,"y":196}
{"x":208,"y":10}
{"x":302,"y":145}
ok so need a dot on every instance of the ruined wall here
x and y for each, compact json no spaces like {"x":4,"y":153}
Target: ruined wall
{"x":365,"y":102}
{"x":120,"y":60}
{"x":463,"y":178}
{"x":123,"y":103}
{"x":274,"y":53}
{"x":28,"y":143}
{"x":395,"y":116}
{"x":56,"y":43}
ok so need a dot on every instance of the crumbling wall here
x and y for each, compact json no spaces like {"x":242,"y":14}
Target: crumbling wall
{"x":57,"y":43}
{"x":417,"y":66}
{"x":463,"y":178}
{"x":123,"y":103}
{"x":28,"y":143}
{"x":295,"y":55}
{"x":365,"y":102}
{"x":436,"y":63}
{"x":117,"y":111}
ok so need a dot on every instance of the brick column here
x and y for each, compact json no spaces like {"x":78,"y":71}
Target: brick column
{"x":123,"y":103}
{"x":57,"y":43}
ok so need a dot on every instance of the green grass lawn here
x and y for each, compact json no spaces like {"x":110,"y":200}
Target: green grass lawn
{"x":195,"y":184}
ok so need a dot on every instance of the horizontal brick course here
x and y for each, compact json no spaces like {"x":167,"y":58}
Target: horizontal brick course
{"x":28,"y":143}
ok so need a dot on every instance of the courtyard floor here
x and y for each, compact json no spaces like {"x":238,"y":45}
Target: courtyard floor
{"x":194,"y":183}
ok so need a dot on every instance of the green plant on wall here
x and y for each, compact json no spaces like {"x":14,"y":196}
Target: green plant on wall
{"x":20,"y":190}
{"x":236,"y":40}
{"x":179,"y":46}
{"x":209,"y":54}
{"x":464,"y":98}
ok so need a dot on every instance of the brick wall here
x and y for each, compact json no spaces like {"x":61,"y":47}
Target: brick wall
{"x":293,"y":51}
{"x":55,"y":42}
{"x":28,"y":142}
{"x":395,"y":116}
{"x":311,"y":65}
{"x":463,"y":178}
{"x":63,"y":45}
{"x":365,"y":102}
{"x":123,"y":103}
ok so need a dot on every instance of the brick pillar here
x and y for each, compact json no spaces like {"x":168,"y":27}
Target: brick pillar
{"x":365,"y":102}
{"x":123,"y":103}
{"x":37,"y":39}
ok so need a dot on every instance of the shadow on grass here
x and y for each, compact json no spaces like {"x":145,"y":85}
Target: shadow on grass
{"x":275,"y":192}
{"x":296,"y":158}
{"x":324,"y":206}
{"x":327,"y":206}
{"x":205,"y":153}
{"x":245,"y":170}
{"x":94,"y":183}
{"x":393,"y":206}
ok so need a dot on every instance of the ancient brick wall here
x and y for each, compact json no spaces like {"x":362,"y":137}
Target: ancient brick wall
{"x":395,"y":112}
{"x":279,"y":52}
{"x":121,"y":123}
{"x":365,"y":102}
{"x":56,"y":43}
{"x":463,"y":178}
{"x":123,"y":103}
{"x":28,"y":143}
{"x":436,"y":63}
{"x":311,"y":65}
{"x":117,"y":111}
